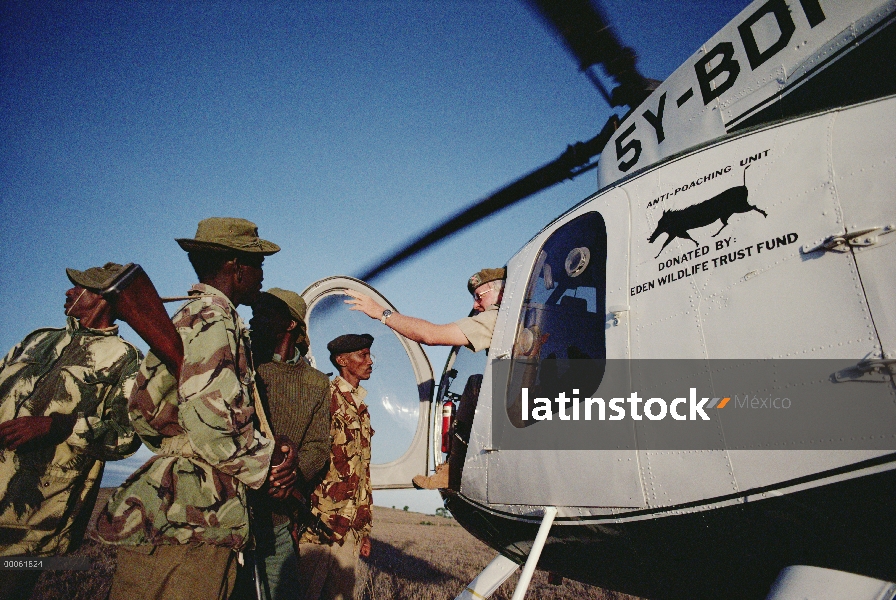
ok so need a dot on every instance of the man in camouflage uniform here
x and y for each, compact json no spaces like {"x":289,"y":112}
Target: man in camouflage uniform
{"x":343,"y":498}
{"x":297,"y":398}
{"x":63,"y":413}
{"x":181,"y":519}
{"x":474,"y":332}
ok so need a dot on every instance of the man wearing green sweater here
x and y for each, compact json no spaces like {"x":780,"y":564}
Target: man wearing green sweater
{"x":297,"y":399}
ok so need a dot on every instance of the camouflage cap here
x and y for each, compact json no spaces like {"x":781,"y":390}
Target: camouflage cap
{"x":96,"y":278}
{"x":222,"y":234}
{"x":484,"y":276}
{"x":350,"y":342}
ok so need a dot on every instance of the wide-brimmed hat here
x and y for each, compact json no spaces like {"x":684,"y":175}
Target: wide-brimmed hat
{"x":297,"y":306}
{"x":96,"y":278}
{"x":485,"y":276}
{"x":297,"y":310}
{"x":225,"y":234}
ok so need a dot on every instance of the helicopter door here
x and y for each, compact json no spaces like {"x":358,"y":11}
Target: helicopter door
{"x":572,"y":318}
{"x":399,"y":392}
{"x":864,"y":145}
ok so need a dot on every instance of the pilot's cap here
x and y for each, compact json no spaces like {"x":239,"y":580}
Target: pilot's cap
{"x":485,"y":276}
{"x":96,"y":278}
{"x":350,"y":342}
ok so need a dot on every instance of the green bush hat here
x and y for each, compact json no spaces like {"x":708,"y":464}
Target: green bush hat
{"x":485,"y":276}
{"x":96,"y":278}
{"x":297,"y":306}
{"x":224,"y":234}
{"x":297,"y":310}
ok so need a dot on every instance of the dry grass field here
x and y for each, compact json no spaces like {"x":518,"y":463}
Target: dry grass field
{"x":424,"y":557}
{"x":414,"y":557}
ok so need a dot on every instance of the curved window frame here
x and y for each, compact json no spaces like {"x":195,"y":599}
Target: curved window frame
{"x":396,"y":474}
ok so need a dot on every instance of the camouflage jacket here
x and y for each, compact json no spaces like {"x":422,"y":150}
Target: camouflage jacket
{"x":47,"y":493}
{"x":343,"y":498}
{"x":208,"y":450}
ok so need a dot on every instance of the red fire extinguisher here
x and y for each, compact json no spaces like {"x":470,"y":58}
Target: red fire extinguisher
{"x":447,"y":412}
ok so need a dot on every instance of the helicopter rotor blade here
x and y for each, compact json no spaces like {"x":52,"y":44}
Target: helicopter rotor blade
{"x":588,"y":36}
{"x":592,"y":41}
{"x":573,"y":162}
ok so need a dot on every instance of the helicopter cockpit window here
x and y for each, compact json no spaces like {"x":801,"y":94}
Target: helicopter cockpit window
{"x":560,"y":338}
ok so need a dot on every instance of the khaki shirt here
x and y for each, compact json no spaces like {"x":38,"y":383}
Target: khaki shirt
{"x":479,"y":328}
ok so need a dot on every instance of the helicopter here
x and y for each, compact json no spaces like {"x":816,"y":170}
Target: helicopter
{"x":744,"y":212}
{"x":835,"y":65}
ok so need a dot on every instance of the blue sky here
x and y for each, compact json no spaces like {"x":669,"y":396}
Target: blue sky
{"x":341,"y":128}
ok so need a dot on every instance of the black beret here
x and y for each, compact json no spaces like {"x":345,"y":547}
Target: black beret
{"x":350,"y":342}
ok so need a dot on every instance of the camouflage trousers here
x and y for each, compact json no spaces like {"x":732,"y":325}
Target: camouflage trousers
{"x":327,"y":572}
{"x":174,"y":572}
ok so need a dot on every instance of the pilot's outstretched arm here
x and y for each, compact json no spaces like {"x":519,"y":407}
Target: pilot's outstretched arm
{"x":415,"y":329}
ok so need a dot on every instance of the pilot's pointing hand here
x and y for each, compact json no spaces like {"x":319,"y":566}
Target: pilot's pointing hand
{"x":365,"y":304}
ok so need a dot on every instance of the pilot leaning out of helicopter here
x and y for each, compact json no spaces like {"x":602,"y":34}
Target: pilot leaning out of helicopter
{"x":474,"y":332}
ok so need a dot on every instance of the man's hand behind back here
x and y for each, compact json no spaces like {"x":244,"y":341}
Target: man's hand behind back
{"x":283,"y":475}
{"x":36,"y":430}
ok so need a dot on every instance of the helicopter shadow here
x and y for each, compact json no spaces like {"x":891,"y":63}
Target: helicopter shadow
{"x":397,"y":563}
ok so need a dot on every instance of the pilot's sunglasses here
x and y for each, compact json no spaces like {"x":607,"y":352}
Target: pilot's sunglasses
{"x":481,"y":295}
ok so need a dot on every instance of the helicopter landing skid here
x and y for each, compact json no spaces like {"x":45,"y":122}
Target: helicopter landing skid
{"x":500,"y":569}
{"x":490,"y":579}
{"x":800,"y":581}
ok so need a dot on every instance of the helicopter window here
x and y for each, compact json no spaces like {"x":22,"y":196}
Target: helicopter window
{"x":562,"y":323}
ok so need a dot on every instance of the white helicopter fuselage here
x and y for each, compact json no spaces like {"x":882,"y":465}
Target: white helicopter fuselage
{"x":736,"y":227}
